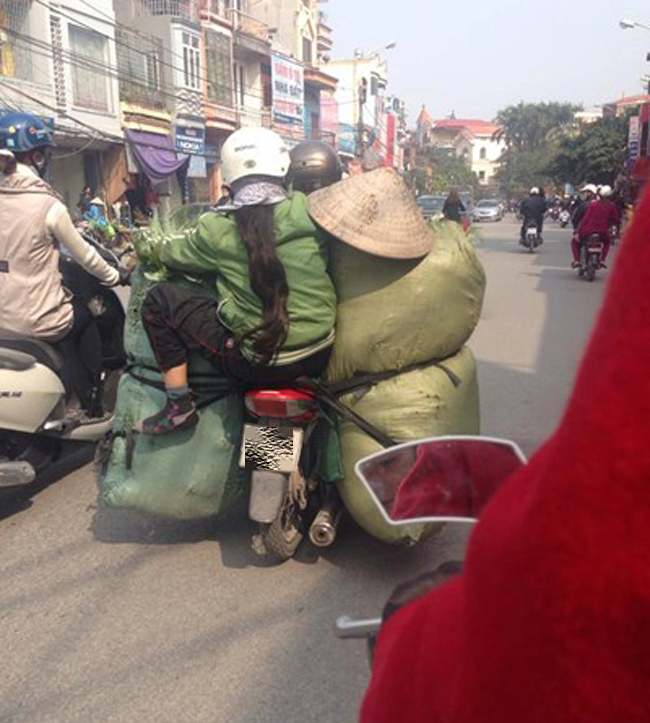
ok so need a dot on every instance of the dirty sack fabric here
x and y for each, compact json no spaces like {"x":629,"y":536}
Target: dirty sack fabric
{"x":393,"y":314}
{"x":415,"y":405}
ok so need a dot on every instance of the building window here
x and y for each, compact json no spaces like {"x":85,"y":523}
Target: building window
{"x":267,"y":85}
{"x":374,"y":85}
{"x":481,"y":176}
{"x":138,"y":66}
{"x":191,"y":61}
{"x":89,"y":86}
{"x":219,"y":70}
{"x":240,"y":86}
{"x":15,"y":48}
{"x":307,"y":51}
{"x":483,"y":154}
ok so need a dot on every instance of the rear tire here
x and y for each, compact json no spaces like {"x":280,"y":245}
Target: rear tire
{"x":280,"y":540}
{"x":591,"y":270}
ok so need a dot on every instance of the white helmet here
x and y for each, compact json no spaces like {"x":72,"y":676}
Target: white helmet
{"x":589,"y":188}
{"x":254,"y":152}
{"x":534,"y":191}
{"x":605,"y":191}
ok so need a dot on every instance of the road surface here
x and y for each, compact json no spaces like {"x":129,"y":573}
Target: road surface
{"x":109,"y":616}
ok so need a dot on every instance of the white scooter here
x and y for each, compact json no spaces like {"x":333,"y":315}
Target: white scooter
{"x":35,"y":420}
{"x":444,"y":480}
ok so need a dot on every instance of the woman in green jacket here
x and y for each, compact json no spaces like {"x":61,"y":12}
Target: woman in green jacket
{"x":274,"y":319}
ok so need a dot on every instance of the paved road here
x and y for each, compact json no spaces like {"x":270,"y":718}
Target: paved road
{"x":106,"y":616}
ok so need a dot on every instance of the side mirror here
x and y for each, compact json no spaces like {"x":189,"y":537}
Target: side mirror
{"x":444,"y":479}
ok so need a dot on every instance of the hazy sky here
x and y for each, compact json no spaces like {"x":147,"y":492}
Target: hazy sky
{"x":477,"y":56}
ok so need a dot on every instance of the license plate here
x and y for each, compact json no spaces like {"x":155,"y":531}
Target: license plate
{"x":596,"y":247}
{"x":272,"y":448}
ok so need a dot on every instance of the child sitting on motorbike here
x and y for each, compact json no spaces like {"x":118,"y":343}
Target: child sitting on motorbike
{"x":276,"y":310}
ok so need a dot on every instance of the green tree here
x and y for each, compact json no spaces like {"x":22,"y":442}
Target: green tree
{"x":529,"y":126}
{"x":594,"y":155}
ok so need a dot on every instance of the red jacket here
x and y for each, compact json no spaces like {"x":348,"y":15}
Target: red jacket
{"x":599,"y":218}
{"x":550,"y":621}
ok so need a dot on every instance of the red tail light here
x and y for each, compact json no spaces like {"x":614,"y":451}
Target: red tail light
{"x":280,"y":404}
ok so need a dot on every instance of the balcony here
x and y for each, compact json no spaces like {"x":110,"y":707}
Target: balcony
{"x":248,"y":25}
{"x":183,"y":9}
{"x":324,"y":40}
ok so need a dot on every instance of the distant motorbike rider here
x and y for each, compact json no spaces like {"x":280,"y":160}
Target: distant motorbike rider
{"x":532,"y":211}
{"x":314,"y":165}
{"x":588,"y":193}
{"x":33,"y":223}
{"x":599,"y":218}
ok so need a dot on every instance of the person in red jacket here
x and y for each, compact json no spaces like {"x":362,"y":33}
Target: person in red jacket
{"x":550,"y":620}
{"x":601,"y":216}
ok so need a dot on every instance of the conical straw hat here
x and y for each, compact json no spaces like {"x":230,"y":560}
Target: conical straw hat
{"x":374,"y":212}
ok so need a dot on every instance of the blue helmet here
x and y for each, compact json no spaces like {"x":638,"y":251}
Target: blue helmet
{"x":22,"y":132}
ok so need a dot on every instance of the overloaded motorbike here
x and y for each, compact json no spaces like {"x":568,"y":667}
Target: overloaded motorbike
{"x":591,"y":254}
{"x":39,"y":422}
{"x":445,"y":480}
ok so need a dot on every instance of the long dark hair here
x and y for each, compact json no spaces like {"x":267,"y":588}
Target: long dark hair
{"x":267,"y":277}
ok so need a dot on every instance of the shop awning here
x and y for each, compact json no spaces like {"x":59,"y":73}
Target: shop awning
{"x":155,"y":155}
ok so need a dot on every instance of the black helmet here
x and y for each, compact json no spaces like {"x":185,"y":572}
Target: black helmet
{"x":314,"y":165}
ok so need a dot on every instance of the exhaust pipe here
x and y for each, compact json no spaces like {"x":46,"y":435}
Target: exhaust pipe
{"x":323,"y":529}
{"x":16,"y":474}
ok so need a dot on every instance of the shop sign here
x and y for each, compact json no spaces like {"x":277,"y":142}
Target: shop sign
{"x":190,"y":140}
{"x":288,"y":91}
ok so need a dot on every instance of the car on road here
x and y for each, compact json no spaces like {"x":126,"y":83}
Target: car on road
{"x":489,"y":209}
{"x":431,"y":206}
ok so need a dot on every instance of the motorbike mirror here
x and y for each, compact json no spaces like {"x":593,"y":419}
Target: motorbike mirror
{"x":442,"y":479}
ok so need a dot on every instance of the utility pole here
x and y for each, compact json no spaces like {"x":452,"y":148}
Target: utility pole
{"x":361,"y":131}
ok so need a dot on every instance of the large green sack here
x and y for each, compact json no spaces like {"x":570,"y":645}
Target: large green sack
{"x":394,"y":314}
{"x":190,"y":474}
{"x":416,"y":405}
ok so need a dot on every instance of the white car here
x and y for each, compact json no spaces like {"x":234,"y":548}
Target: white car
{"x":488,"y":209}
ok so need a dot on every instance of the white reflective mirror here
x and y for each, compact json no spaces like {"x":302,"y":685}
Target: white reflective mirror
{"x":440,"y":479}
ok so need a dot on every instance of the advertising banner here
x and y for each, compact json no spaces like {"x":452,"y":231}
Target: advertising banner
{"x":288,"y":91}
{"x":634,"y":138}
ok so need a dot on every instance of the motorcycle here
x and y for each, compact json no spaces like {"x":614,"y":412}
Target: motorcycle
{"x":564,"y":218}
{"x":446,"y":480}
{"x":591,"y":252}
{"x":37,"y":425}
{"x":531,"y":238}
{"x":282,"y":446}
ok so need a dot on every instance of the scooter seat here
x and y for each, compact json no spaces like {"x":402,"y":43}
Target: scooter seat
{"x":43,"y":352}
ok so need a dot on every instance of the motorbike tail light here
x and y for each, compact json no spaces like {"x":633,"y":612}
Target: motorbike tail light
{"x":280,"y":404}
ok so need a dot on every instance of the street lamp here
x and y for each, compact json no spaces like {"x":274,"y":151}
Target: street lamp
{"x":631,"y":24}
{"x":359,"y":54}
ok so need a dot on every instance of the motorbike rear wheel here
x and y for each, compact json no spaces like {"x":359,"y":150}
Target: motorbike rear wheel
{"x":591,"y":270}
{"x":279,"y":540}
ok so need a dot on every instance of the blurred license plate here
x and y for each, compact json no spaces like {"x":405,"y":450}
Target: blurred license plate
{"x":273,"y":448}
{"x":595,"y":247}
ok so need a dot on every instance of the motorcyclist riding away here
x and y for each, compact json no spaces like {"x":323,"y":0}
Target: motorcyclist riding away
{"x":33,"y":223}
{"x":589,"y":193}
{"x":533,"y":210}
{"x":274,"y":319}
{"x":599,"y":218}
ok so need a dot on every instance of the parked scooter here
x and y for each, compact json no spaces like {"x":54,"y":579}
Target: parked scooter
{"x":36,"y":422}
{"x":446,"y":480}
{"x":591,"y":254}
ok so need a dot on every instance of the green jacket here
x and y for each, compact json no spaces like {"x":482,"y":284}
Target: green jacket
{"x":214,"y":246}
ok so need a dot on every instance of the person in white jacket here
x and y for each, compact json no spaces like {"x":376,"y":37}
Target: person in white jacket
{"x":33,"y":224}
